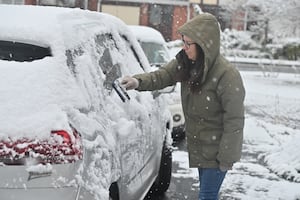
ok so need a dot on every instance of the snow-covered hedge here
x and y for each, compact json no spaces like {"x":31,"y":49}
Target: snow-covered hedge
{"x":241,"y":44}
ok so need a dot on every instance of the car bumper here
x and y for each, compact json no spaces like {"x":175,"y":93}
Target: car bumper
{"x":66,"y":193}
{"x":19,"y":182}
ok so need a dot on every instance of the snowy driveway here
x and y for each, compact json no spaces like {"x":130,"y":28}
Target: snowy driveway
{"x":270,"y":165}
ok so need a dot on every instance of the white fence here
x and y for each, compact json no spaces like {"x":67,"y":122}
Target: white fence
{"x":267,"y":66}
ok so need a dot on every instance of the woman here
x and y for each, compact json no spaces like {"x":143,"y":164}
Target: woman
{"x":212,"y":95}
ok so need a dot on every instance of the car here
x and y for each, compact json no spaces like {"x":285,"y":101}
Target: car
{"x":153,"y":44}
{"x":65,"y":133}
{"x":157,"y":52}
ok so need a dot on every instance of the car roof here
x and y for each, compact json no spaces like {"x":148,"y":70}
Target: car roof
{"x":147,"y":34}
{"x":43,"y":25}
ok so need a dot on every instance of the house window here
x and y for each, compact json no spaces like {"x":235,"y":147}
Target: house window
{"x":155,"y":15}
{"x":19,"y":2}
{"x":63,"y":3}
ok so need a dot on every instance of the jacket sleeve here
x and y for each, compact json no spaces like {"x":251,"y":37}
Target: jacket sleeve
{"x":158,"y":79}
{"x":232,"y":95}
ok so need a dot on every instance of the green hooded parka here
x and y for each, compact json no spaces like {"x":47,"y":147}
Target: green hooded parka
{"x":214,"y":115}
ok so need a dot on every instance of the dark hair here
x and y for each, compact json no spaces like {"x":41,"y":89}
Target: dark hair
{"x":191,"y":72}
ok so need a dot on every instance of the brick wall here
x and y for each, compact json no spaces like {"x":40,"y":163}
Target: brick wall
{"x":92,"y":5}
{"x":179,"y":18}
{"x":144,"y":14}
{"x":237,"y":20}
{"x":30,"y":2}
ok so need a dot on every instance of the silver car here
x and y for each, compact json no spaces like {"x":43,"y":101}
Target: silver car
{"x":65,"y":133}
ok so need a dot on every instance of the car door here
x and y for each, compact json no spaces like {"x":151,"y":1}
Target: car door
{"x":158,"y":124}
{"x":138,"y":146}
{"x":133,"y":124}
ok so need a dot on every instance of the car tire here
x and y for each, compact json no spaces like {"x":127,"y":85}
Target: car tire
{"x":178,"y":133}
{"x":163,"y":179}
{"x":114,"y":192}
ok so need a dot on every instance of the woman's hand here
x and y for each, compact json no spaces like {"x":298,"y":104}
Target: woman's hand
{"x":129,"y":83}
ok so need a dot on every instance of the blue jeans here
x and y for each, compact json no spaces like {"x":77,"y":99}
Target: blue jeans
{"x":211,"y":180}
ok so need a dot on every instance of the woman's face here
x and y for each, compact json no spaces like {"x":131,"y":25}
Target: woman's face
{"x":189,"y":47}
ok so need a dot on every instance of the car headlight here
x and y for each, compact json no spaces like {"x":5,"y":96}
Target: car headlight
{"x":176,"y":118}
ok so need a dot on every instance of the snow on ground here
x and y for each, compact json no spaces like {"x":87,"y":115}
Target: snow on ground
{"x":270,"y":165}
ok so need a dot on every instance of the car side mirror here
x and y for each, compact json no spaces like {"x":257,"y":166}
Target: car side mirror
{"x":166,"y":90}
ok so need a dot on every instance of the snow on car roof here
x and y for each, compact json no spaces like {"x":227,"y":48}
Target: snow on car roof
{"x":35,"y":95}
{"x":42,"y":25}
{"x":147,"y":34}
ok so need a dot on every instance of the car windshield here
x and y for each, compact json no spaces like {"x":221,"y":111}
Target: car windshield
{"x":17,"y":51}
{"x":156,"y":53}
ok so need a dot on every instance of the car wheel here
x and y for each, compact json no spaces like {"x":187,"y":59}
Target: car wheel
{"x":163,"y":179}
{"x":114,"y":192}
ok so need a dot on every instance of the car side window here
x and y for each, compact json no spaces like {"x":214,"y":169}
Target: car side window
{"x":20,"y":52}
{"x":113,"y":54}
{"x":117,"y":57}
{"x":102,"y":50}
{"x":106,"y":47}
{"x":71,"y":55}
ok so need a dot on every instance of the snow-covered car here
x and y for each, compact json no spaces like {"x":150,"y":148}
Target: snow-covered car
{"x":153,"y":44}
{"x":157,"y":52}
{"x":64,"y":132}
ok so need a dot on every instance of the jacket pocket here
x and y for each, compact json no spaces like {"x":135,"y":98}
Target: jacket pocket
{"x":210,"y":151}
